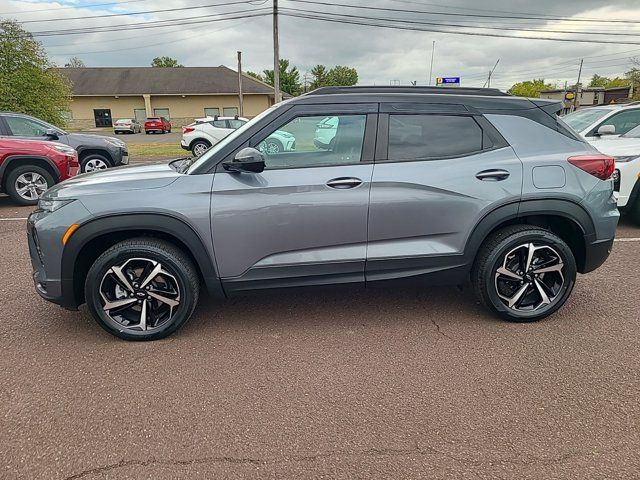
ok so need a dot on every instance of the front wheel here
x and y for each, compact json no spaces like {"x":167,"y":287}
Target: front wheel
{"x":93,"y":163}
{"x":142,"y":289}
{"x":524,"y":273}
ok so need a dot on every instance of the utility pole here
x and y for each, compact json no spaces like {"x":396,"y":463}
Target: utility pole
{"x":276,"y":54}
{"x":433,"y":51}
{"x":241,"y":100}
{"x":575,"y":93}
{"x":488,"y":82}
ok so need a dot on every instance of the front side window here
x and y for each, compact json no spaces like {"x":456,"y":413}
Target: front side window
{"x":26,"y":127}
{"x":623,"y":121}
{"x":309,"y":142}
{"x":581,"y":119}
{"x":422,"y":137}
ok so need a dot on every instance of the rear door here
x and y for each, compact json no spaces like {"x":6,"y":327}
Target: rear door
{"x":303,"y":221}
{"x":439,"y":169}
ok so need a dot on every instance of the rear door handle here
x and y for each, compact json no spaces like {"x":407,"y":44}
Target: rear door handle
{"x":344,"y":182}
{"x":493,"y":175}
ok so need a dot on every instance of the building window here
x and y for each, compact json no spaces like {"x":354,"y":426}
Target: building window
{"x":230,"y":111}
{"x":211,"y":112}
{"x":140,"y":114}
{"x":161,"y":112}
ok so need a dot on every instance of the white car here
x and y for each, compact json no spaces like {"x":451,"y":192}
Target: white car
{"x":202,"y":134}
{"x":626,"y":150}
{"x":604,"y":120}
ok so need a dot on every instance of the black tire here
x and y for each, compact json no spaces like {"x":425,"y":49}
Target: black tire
{"x":147,"y":132}
{"x":94,"y":156}
{"x":276,"y":146}
{"x":10,"y":183}
{"x":173,"y":260}
{"x":493,"y":255}
{"x":199,"y":144}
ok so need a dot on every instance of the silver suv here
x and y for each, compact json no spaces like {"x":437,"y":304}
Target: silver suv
{"x":423,"y":185}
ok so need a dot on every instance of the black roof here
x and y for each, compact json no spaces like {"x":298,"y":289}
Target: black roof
{"x":489,"y":92}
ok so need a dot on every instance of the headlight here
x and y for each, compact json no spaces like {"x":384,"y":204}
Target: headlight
{"x":115,"y":142}
{"x":47,"y":205}
{"x":627,"y":158}
{"x":67,"y":150}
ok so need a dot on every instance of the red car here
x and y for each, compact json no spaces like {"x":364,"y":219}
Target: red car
{"x":157,"y":124}
{"x":29,"y":167}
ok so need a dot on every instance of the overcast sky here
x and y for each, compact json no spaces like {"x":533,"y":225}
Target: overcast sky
{"x":380,"y":55}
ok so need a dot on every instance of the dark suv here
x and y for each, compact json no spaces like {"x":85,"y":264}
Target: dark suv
{"x":428,"y":185}
{"x":96,"y":152}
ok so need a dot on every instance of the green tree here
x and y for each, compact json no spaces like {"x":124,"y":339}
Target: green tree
{"x":341,"y":76}
{"x":74,"y":62}
{"x":617,"y":82}
{"x":530,"y":88}
{"x":255,"y":75}
{"x":319,"y":77}
{"x":165,"y":62}
{"x":599,"y":81}
{"x":633,"y":77}
{"x":289,"y":78}
{"x":28,"y":83}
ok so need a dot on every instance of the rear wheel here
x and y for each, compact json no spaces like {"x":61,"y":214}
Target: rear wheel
{"x":26,"y":184}
{"x":142,"y":289}
{"x":199,"y":147}
{"x":524,"y":273}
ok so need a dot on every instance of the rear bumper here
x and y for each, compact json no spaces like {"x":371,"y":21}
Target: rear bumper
{"x":596,"y":253}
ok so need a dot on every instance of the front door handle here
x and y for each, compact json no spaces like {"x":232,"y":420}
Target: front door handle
{"x":344,"y":182}
{"x":494,"y":175}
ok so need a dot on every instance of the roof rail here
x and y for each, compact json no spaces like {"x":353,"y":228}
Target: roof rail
{"x":489,"y":92}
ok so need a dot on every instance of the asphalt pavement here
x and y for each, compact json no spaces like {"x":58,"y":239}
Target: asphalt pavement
{"x":353,"y":383}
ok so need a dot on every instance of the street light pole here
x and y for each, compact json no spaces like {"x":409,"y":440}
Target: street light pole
{"x":433,"y":50}
{"x":276,"y":54}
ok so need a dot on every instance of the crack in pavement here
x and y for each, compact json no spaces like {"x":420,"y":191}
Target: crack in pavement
{"x":439,"y":330}
{"x":373,"y":452}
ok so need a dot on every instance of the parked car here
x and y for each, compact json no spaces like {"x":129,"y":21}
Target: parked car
{"x":157,"y":124}
{"x":127,"y":125}
{"x":625,"y":149}
{"x":200,"y":135}
{"x":494,"y":190}
{"x":95,"y":152}
{"x":604,"y":120}
{"x":326,"y":133}
{"x":28,"y":168}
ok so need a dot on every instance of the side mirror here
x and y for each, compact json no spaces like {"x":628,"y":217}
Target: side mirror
{"x":246,"y":160}
{"x":606,"y":130}
{"x":51,"y":133}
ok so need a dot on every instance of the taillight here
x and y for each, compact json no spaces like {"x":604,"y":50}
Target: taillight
{"x":598,"y":165}
{"x":188,"y":130}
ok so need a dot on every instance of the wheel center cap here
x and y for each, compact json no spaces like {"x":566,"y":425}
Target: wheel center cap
{"x":141,"y":294}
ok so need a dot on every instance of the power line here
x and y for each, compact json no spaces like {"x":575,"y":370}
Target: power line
{"x":386,"y":9}
{"x":337,"y":19}
{"x":143,"y":12}
{"x":456,"y":25}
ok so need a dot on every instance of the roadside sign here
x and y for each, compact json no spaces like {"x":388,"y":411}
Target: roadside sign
{"x":448,"y":81}
{"x":569,"y":96}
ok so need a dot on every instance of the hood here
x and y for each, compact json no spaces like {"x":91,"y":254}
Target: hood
{"x":618,"y":147}
{"x":76,"y":139}
{"x":114,"y":180}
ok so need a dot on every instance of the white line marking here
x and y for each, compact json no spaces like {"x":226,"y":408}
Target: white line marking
{"x":627,"y":240}
{"x":13,"y":219}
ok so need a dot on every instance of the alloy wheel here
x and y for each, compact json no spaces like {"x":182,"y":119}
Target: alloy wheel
{"x":31,"y":185}
{"x":199,"y":149}
{"x":140,"y":294}
{"x":95,"y":164}
{"x":272,"y":147}
{"x":530,"y":277}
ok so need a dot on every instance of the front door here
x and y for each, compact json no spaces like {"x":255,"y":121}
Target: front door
{"x":439,"y":170}
{"x":102,"y":117}
{"x":303,"y":221}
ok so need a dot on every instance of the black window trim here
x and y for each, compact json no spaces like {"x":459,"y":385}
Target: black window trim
{"x":382,"y":141}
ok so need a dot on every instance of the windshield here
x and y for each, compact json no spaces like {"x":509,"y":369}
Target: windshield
{"x":581,"y":119}
{"x":229,"y":138}
{"x":633,"y":133}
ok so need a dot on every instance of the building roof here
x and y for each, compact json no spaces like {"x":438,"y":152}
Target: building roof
{"x":588,"y":89}
{"x":161,"y":81}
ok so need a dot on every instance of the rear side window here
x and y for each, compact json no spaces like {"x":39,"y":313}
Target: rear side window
{"x":421,"y":137}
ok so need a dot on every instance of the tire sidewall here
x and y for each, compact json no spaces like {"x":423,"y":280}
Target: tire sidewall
{"x":21,"y":170}
{"x":109,"y":259}
{"x":93,"y":156}
{"x":495,"y":260}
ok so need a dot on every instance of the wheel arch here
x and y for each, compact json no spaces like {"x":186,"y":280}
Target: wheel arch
{"x":565,"y":218}
{"x":95,"y":236}
{"x":84,"y":152}
{"x":200,"y":139}
{"x":13,"y":161}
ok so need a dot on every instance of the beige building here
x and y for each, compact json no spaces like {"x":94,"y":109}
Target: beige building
{"x":103,"y":95}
